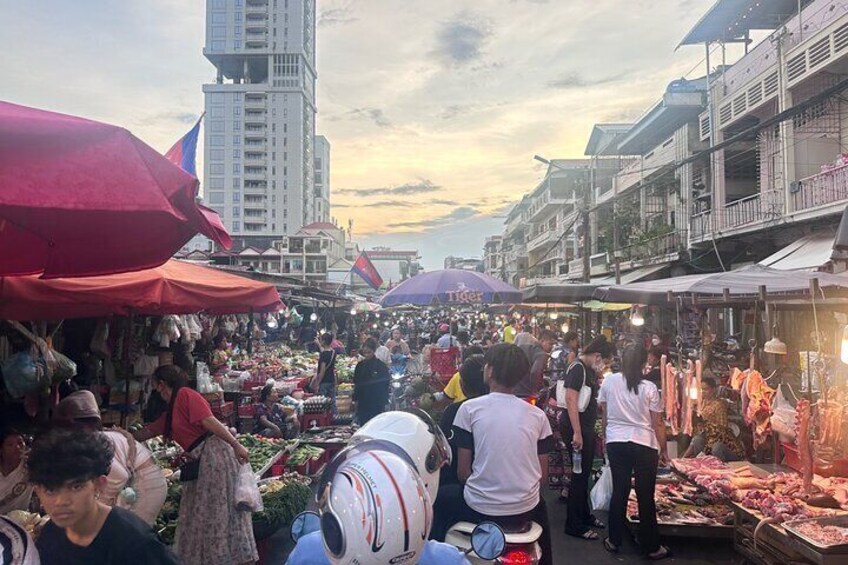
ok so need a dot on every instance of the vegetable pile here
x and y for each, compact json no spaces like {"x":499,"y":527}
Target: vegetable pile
{"x":262,"y":450}
{"x":303,"y":454}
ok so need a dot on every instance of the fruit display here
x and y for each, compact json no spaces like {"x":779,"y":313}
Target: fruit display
{"x":263,"y":450}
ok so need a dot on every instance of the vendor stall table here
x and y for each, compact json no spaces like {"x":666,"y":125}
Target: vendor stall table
{"x":773,"y":545}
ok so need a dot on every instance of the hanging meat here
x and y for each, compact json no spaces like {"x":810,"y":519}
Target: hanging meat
{"x":698,"y":386}
{"x":670,"y":389}
{"x":756,"y":406}
{"x":688,"y":401}
{"x":804,"y":443}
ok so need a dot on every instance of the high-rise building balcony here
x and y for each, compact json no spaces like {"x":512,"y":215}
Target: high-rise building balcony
{"x":257,"y":3}
{"x":254,"y":204}
{"x":252,"y":116}
{"x":254,"y":102}
{"x":828,"y":187}
{"x":255,"y":27}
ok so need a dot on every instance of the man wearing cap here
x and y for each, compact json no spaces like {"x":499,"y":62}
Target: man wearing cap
{"x":135,"y":482}
{"x":447,"y":340}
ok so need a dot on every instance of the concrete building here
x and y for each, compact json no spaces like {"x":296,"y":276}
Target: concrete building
{"x":395,"y":265}
{"x":260,"y":117}
{"x":322,"y":179}
{"x":777,"y":173}
{"x":464,"y":263}
{"x":493,"y":264}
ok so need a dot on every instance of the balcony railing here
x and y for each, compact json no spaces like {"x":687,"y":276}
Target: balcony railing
{"x":821,"y":189}
{"x":540,"y":239}
{"x":660,"y":246}
{"x":748,"y":211}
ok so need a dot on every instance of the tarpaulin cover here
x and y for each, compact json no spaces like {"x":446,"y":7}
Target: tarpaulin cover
{"x":741,"y":283}
{"x":451,"y":286}
{"x":82,"y":198}
{"x":176,"y":287}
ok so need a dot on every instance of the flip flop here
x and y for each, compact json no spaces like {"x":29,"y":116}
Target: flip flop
{"x":609,"y":546}
{"x":662,"y":553}
{"x":589,"y":535}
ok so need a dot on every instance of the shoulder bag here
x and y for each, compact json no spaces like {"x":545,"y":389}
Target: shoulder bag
{"x":585,"y":394}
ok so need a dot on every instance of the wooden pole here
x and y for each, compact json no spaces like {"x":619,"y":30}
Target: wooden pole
{"x":127,"y":369}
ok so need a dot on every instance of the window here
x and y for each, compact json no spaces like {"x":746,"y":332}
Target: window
{"x":236,"y":196}
{"x":274,"y":213}
{"x":216,"y":140}
{"x":217,"y":182}
{"x":236,"y":111}
{"x":236,"y":226}
{"x":218,"y":45}
{"x":285,"y":171}
{"x":236,"y":140}
{"x":219,"y":4}
{"x":219,"y":18}
{"x":236,"y":184}
{"x":236,"y":168}
{"x":237,"y":97}
{"x":217,"y":169}
{"x":216,"y":112}
{"x":236,"y":125}
{"x":273,"y":170}
{"x":218,"y":210}
{"x":217,"y":126}
{"x":239,"y":3}
{"x":236,"y":154}
{"x":237,"y":44}
{"x":216,"y":197}
{"x":219,"y":31}
{"x":236,"y":212}
{"x":215,"y":98}
{"x":238,"y":16}
{"x":285,"y":128}
{"x":216,"y":155}
{"x":237,"y":32}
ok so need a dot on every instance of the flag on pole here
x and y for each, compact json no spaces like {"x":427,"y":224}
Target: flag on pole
{"x":366,"y":269}
{"x":184,"y":152}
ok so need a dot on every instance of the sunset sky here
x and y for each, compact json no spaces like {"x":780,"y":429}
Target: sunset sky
{"x":433,"y":108}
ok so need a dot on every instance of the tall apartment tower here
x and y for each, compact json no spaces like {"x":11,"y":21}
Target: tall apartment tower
{"x":322,"y":179}
{"x":260,"y":117}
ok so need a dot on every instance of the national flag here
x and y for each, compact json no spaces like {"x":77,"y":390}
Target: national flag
{"x":184,"y":152}
{"x":366,"y":269}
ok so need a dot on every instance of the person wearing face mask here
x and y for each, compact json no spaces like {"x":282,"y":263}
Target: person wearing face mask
{"x":580,"y":428}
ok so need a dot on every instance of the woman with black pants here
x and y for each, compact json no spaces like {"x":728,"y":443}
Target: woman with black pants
{"x":579,"y":427}
{"x":635,"y":442}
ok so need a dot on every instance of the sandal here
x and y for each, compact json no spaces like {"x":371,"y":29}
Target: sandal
{"x":609,"y":546}
{"x":595,"y":523}
{"x":662,"y":553}
{"x":587,"y":535}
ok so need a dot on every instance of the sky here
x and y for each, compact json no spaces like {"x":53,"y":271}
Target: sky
{"x":433,"y":108}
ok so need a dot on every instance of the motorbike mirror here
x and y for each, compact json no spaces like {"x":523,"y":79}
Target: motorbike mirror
{"x":303,"y":524}
{"x":488,"y":541}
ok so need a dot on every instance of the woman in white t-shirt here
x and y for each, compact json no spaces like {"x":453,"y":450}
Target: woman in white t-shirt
{"x":635,"y":441}
{"x":502,"y":450}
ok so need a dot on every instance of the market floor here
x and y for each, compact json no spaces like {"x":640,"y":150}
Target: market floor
{"x":569,"y":550}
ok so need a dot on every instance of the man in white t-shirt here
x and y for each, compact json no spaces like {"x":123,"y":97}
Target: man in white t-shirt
{"x":503,"y":444}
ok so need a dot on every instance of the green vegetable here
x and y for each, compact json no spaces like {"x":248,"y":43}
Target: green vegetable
{"x":280,"y":509}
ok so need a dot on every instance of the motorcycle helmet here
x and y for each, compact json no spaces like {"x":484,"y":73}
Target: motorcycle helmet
{"x":415,"y":432}
{"x":374,"y":507}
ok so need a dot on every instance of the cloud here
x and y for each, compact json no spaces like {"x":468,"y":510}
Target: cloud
{"x":376,"y":115}
{"x":461,"y":213}
{"x":377,"y":204}
{"x":337,"y":16}
{"x":423,"y":186}
{"x":461,"y":40}
{"x":576,"y":80}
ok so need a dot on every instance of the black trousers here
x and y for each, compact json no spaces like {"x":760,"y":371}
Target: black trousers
{"x":626,"y":460}
{"x":450,"y":508}
{"x":579,"y":513}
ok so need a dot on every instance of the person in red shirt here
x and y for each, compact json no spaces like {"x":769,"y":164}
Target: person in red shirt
{"x":210,"y":530}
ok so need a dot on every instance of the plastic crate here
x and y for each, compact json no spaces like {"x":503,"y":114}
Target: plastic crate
{"x":246,"y":410}
{"x":223,"y":410}
{"x":318,"y":419}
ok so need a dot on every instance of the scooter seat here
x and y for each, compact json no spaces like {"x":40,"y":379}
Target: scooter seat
{"x":529,"y":533}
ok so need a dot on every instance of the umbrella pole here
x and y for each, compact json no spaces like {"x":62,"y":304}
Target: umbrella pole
{"x":127,"y":369}
{"x":250,"y":334}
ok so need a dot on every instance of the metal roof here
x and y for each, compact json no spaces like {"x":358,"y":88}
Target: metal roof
{"x":730,"y":20}
{"x":604,"y":139}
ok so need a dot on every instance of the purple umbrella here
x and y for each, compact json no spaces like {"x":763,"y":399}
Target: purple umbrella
{"x":451,"y":286}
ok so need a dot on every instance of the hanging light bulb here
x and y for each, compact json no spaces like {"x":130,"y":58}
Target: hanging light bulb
{"x":554,"y":315}
{"x":564,"y":327}
{"x":271,"y":321}
{"x":636,"y":317}
{"x":843,"y":353}
{"x":378,"y":315}
{"x":386,"y":323}
{"x":374,"y":326}
{"x":313,"y":317}
{"x":353,"y":311}
{"x":694,"y":391}
{"x":774,"y":345}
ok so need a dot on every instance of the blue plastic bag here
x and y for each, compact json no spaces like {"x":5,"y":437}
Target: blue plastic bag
{"x":23,"y":375}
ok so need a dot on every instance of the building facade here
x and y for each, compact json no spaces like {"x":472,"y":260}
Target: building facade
{"x":464,"y":263}
{"x":322,"y":179}
{"x":493,"y":264}
{"x":260,"y":117}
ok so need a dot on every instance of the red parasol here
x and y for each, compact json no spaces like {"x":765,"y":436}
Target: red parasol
{"x":81,"y":198}
{"x":176,"y":287}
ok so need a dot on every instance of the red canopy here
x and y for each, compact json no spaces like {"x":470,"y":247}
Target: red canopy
{"x":176,"y":287}
{"x":82,"y":198}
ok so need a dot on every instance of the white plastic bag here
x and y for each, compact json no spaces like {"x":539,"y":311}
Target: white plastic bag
{"x":783,"y":415}
{"x":602,"y":491}
{"x":248,"y":498}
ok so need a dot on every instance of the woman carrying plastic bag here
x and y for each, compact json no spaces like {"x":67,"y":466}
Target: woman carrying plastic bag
{"x":602,"y":491}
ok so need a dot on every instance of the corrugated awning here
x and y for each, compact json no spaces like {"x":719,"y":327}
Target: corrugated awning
{"x":580,"y":292}
{"x":729,"y":20}
{"x":806,"y":254}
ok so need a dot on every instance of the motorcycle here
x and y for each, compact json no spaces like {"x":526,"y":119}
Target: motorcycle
{"x":484,"y":543}
{"x":520,"y":544}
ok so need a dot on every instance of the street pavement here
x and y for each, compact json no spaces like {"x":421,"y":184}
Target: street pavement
{"x":570,"y":551}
